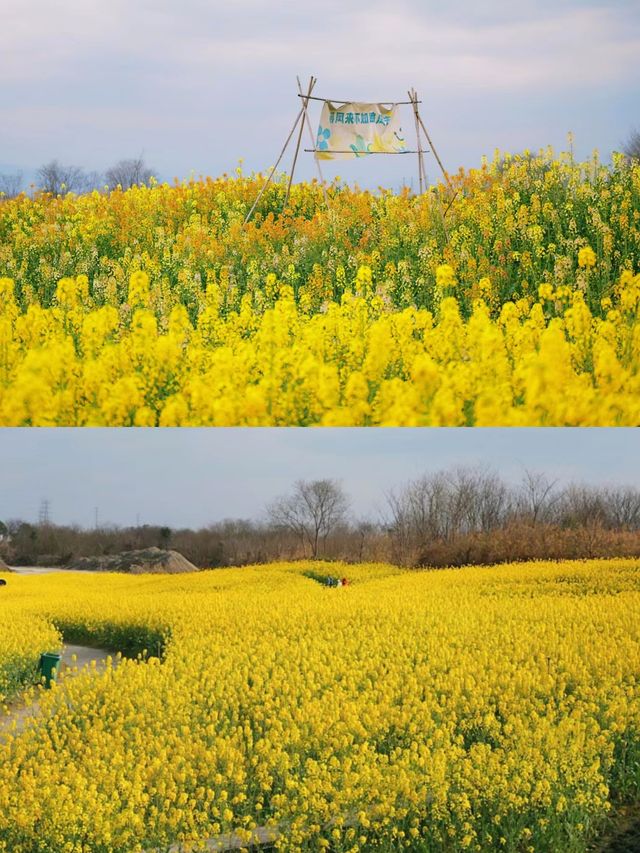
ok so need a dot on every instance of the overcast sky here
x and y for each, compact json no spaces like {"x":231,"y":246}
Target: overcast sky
{"x":190,"y":477}
{"x":198,"y":84}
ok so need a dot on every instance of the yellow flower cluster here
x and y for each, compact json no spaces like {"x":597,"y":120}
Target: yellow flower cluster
{"x":475,"y":709}
{"x":23,"y":638}
{"x":544,"y":361}
{"x":516,"y":221}
{"x":586,"y":257}
{"x":159,"y":306}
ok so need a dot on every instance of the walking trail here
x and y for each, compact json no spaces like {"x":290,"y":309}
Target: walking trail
{"x":15,"y":721}
{"x":19,"y":714}
{"x":76,"y":659}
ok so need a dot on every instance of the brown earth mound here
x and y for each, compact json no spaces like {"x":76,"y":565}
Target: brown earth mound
{"x":151,"y":560}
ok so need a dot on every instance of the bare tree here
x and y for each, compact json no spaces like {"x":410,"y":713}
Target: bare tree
{"x":477,"y":500}
{"x":631,"y":147}
{"x":429,"y":503}
{"x":536,"y":496}
{"x":57,"y":179}
{"x":311,"y":511}
{"x":494,"y":500}
{"x":417,"y":514}
{"x":444,"y":505}
{"x":622,"y":506}
{"x":364,"y":530}
{"x":92,"y":181}
{"x":398,"y":524}
{"x":11,"y":184}
{"x":582,"y":506}
{"x":129,"y":173}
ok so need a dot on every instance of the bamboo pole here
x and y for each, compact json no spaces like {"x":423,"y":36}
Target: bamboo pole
{"x":313,"y":142}
{"x":277,"y":163}
{"x":422,"y":150}
{"x":351,"y":100}
{"x":435,"y":153}
{"x":415,"y":118}
{"x":452,"y":191}
{"x":412,"y":95}
{"x":312,"y":83}
{"x":364,"y":153}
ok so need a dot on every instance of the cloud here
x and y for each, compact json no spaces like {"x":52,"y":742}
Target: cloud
{"x":91,"y":81}
{"x":208,"y":474}
{"x":578,"y":46}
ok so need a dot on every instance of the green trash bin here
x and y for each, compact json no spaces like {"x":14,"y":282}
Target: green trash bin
{"x":49,"y":665}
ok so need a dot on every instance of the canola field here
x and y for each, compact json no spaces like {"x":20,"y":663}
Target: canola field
{"x":22,"y":639}
{"x":512,"y":302}
{"x":479,"y":709}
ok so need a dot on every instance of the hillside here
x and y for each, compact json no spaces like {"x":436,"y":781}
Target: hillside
{"x":509,"y":299}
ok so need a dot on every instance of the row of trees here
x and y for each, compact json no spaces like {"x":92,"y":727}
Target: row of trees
{"x":451,"y":517}
{"x":59,"y":179}
{"x":459,"y":512}
{"x":631,"y":148}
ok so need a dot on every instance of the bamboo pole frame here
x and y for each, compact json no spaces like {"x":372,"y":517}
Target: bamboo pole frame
{"x":275,"y":166}
{"x":313,"y":142}
{"x":352,"y":100}
{"x":421,"y":169}
{"x":305,"y":104}
{"x":453,"y":192}
{"x":363,"y":154}
{"x":302,"y":120}
{"x":435,"y":153}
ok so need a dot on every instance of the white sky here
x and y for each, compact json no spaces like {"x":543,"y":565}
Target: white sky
{"x":199,"y":84}
{"x":195,"y":476}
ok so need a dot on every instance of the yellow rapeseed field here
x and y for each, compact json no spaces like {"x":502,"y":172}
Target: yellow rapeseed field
{"x":478,"y":709}
{"x":22,"y":640}
{"x":513,"y":302}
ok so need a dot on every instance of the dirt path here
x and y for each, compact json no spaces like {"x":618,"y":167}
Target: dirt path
{"x":262,"y":836}
{"x":624,"y":834}
{"x":77,"y":658}
{"x":41,"y":570}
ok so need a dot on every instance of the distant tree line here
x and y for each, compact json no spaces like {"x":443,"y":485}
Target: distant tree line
{"x":468,"y":515}
{"x":631,"y":148}
{"x":59,"y":179}
{"x":449,"y":518}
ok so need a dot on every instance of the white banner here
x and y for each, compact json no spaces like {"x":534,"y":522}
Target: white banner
{"x":356,"y":130}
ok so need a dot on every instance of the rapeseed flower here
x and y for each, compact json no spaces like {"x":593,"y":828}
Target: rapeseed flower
{"x":156,"y":306}
{"x":484,"y":708}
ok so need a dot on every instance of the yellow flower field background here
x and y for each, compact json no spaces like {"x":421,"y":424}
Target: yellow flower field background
{"x":512,"y":302}
{"x":478,"y":709}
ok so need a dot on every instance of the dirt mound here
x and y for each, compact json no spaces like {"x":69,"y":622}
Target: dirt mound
{"x":4,"y":567}
{"x":151,"y":560}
